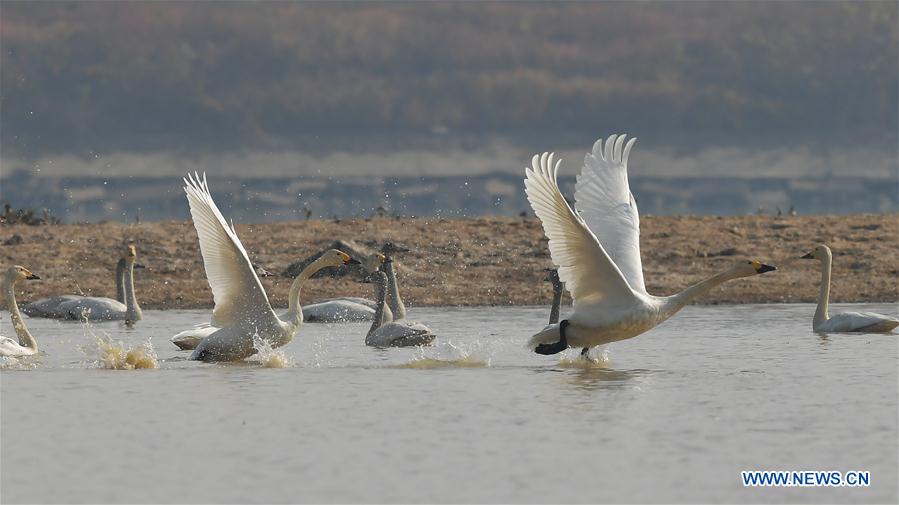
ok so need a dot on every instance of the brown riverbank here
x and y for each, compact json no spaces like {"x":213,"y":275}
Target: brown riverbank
{"x":486,"y":261}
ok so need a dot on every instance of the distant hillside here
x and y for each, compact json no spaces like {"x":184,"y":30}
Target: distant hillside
{"x":201,"y":76}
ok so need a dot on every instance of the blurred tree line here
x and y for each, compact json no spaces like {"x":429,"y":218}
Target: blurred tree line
{"x":77,"y":76}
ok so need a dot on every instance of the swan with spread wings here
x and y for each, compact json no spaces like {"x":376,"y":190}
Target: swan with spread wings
{"x":597,"y":252}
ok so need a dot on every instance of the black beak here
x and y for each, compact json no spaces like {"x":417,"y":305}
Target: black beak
{"x":766,"y":268}
{"x":139,"y":265}
{"x":33,"y":277}
{"x":808,"y":256}
{"x":353,"y":261}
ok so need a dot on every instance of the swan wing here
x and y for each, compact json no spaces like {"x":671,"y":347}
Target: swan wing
{"x":584,"y":266}
{"x":236,"y":289}
{"x":604,"y":200}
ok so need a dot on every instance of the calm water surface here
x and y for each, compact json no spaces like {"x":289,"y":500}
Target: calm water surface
{"x":673,"y":415}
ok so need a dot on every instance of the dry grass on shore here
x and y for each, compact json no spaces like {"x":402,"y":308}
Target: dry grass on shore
{"x":485,"y":261}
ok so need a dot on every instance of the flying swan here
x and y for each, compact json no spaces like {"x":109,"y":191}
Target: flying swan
{"x":597,"y":251}
{"x":844,"y":322}
{"x":242,"y":309}
{"x":26,"y":345}
{"x":393,"y":333}
{"x":50,"y":307}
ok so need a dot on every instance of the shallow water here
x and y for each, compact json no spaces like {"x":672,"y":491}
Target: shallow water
{"x":673,"y":415}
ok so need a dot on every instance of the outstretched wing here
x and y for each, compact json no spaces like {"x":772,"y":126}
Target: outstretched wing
{"x":603,"y":199}
{"x":236,"y":289}
{"x":584,"y":267}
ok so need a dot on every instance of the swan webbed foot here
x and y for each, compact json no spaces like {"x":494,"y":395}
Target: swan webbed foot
{"x":557,"y":347}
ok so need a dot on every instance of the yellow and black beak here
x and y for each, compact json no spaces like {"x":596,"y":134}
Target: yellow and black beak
{"x":809,"y":256}
{"x":381,"y":257}
{"x":32,"y":277}
{"x":347,"y":260}
{"x":765,"y":268}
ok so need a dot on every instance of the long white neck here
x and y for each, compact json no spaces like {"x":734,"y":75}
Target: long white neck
{"x":294,"y":309}
{"x":821,"y":314}
{"x":394,"y":300}
{"x":380,"y":306}
{"x":25,"y":337}
{"x":557,"y":302}
{"x":132,"y":309}
{"x":672,"y":304}
{"x":120,"y":280}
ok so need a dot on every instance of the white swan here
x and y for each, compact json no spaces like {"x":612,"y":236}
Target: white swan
{"x":345,"y":309}
{"x":844,"y":322}
{"x":107,"y":309}
{"x":242,"y":311}
{"x":552,"y":277}
{"x":597,"y":250}
{"x":49,"y":307}
{"x":26,"y":345}
{"x":393,"y":333}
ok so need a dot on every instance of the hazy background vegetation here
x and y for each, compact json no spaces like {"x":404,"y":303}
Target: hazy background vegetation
{"x":101,"y":90}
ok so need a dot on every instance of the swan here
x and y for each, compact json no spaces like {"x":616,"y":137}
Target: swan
{"x":844,"y":322}
{"x":49,"y":307}
{"x":348,"y":308}
{"x":393,"y":333}
{"x":552,"y":276}
{"x":242,"y":310}
{"x":26,"y":345}
{"x":106,"y":309}
{"x":394,"y":301}
{"x":597,"y":251}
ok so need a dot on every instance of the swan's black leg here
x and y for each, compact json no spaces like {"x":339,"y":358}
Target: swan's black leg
{"x":585,"y":353}
{"x":557,"y":347}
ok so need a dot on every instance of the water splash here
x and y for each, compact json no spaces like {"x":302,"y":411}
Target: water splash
{"x":598,"y":357}
{"x":17,"y":363}
{"x":267,"y":357}
{"x":115,"y":355}
{"x":448,"y":355}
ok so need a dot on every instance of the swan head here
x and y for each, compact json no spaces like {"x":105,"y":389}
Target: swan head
{"x":821,"y":252}
{"x":552,"y":276}
{"x":335,"y":258}
{"x":131,"y":254}
{"x":373,"y":262}
{"x":390,"y":248}
{"x":748,"y":268}
{"x":18,"y":273}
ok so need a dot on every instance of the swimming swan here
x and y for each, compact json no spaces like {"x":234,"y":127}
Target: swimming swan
{"x":863,"y":322}
{"x":348,"y":308}
{"x":552,"y":276}
{"x":49,"y":307}
{"x":107,"y":309}
{"x":393,"y":333}
{"x":26,"y":345}
{"x":597,"y":250}
{"x":242,"y":309}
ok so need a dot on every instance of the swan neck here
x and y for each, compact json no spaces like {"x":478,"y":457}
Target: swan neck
{"x":557,"y":302}
{"x":25,"y":337}
{"x":380,"y":306}
{"x":294,"y":309}
{"x":120,"y":281}
{"x":676,"y":302}
{"x":821,"y":314}
{"x":132,"y":309}
{"x":394,"y":300}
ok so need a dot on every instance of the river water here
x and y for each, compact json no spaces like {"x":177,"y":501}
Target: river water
{"x":670,"y":416}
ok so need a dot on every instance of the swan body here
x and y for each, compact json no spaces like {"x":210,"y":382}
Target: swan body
{"x":337,"y":310}
{"x":844,"y":322}
{"x":49,"y":307}
{"x":25,"y":344}
{"x":242,"y":310}
{"x":597,"y":251}
{"x":397,"y":333}
{"x":106,"y":309}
